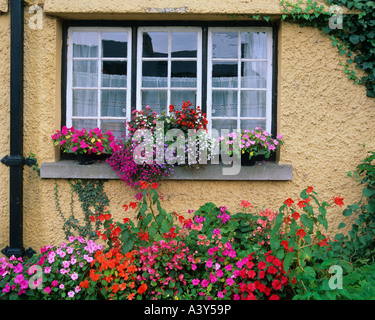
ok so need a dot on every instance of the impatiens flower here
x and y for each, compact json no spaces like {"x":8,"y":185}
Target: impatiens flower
{"x":230,"y":281}
{"x":71,"y":294}
{"x":142,"y":288}
{"x":296,"y":215}
{"x":274,"y":297}
{"x":195,"y":281}
{"x":309,"y":189}
{"x":47,"y":290}
{"x":74,"y":276}
{"x":220,"y":294}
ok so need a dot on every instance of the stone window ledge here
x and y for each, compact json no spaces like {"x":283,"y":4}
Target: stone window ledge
{"x":267,"y":171}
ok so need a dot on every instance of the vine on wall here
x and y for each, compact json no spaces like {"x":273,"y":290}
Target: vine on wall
{"x":352,"y":33}
{"x":93,"y":201}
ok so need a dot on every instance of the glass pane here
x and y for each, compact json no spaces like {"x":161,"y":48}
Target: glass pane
{"x":85,"y":44}
{"x":155,"y":74}
{"x":113,"y":103}
{"x":225,"y":74}
{"x":224,"y":103}
{"x":184,"y":74}
{"x":117,"y":127}
{"x":114,"y":74}
{"x":85,"y":103}
{"x":254,"y":45}
{"x":155,"y":44}
{"x":254,"y":75}
{"x":156,"y":99}
{"x":85,"y":73}
{"x":225,"y":45}
{"x":178,"y":97}
{"x":252,"y":124}
{"x":253,"y":103}
{"x":87,"y":124}
{"x":184,"y":44}
{"x":114,"y":44}
{"x":224,"y":124}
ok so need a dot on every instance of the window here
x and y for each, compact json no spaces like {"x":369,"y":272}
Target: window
{"x":228,"y":71}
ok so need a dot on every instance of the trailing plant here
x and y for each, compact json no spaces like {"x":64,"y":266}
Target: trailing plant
{"x":352,"y":33}
{"x":93,"y":200}
{"x":358,"y":245}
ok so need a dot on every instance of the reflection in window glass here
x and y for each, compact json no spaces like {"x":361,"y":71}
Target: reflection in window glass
{"x":254,"y":45}
{"x":184,"y":74}
{"x":114,"y":74}
{"x":85,"y":73}
{"x":85,"y":44}
{"x":155,"y":44}
{"x":225,"y":45}
{"x":184,"y":44}
{"x":114,"y":45}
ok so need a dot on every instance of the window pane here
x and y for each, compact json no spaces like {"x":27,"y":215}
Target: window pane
{"x":85,"y":103}
{"x":156,"y":99}
{"x":224,"y":103}
{"x":224,"y":74}
{"x":155,"y":44}
{"x":178,"y":97}
{"x":155,"y":74}
{"x":114,"y":74}
{"x":184,"y":44}
{"x":117,"y":127}
{"x":184,"y":74}
{"x":254,"y":45}
{"x":114,"y":44}
{"x":113,"y":103}
{"x":224,"y":124}
{"x":254,"y":75}
{"x":87,"y":124}
{"x":85,"y":73}
{"x":253,"y":103}
{"x":85,"y":44}
{"x":252,"y":124}
{"x":225,"y":45}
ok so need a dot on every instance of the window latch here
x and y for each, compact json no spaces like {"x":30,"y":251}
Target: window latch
{"x":17,"y":161}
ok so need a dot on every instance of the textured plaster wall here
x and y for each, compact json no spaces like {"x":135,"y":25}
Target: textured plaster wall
{"x":4,"y":126}
{"x":324,"y":118}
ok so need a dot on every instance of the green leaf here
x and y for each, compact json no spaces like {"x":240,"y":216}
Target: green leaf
{"x":323,"y":221}
{"x":354,"y":39}
{"x":288,"y":260}
{"x":367,"y":192}
{"x":128,"y":246}
{"x":307,"y":222}
{"x":310,"y":272}
{"x":341,"y":225}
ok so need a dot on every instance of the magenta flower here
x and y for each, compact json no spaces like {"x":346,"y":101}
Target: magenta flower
{"x":195,"y":281}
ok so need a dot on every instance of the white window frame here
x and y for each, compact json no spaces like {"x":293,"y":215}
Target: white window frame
{"x":169,"y":59}
{"x":239,"y":59}
{"x":99,"y":88}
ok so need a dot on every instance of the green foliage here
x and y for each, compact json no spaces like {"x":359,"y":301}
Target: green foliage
{"x":93,"y":202}
{"x":354,"y":35}
{"x":359,"y":245}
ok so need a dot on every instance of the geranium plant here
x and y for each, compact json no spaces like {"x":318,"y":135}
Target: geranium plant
{"x":93,"y":141}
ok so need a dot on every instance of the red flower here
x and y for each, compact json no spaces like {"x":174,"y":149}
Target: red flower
{"x":154,"y":185}
{"x":272,"y":270}
{"x":296,"y":215}
{"x":274,"y":297}
{"x":142,"y":288}
{"x":285,"y":244}
{"x":324,"y":243}
{"x":133,"y":205}
{"x":276,"y":284}
{"x":288,"y":202}
{"x":143,"y":235}
{"x":309,"y":189}
{"x":301,"y":204}
{"x":338,"y":200}
{"x":301,"y":233}
{"x":125,"y":206}
{"x":126,"y":220}
{"x":261,"y":265}
{"x":143,"y":184}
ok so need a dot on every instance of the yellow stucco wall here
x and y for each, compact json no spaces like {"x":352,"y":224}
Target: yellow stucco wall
{"x":323,"y":116}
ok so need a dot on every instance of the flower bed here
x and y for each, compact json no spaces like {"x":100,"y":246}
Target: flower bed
{"x":255,"y":254}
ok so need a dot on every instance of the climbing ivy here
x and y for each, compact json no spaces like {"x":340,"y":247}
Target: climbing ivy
{"x":93,"y":202}
{"x":352,"y":32}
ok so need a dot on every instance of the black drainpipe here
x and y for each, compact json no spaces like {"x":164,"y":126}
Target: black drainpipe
{"x":16,"y":161}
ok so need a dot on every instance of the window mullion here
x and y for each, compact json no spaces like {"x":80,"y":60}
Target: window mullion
{"x":239,"y":68}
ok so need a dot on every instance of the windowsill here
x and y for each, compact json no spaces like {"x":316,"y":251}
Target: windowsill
{"x":267,"y":171}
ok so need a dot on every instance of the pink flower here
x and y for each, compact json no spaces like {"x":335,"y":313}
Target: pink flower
{"x":62,"y":142}
{"x":74,"y":149}
{"x":47,"y":290}
{"x":220,"y":294}
{"x":195,"y":281}
{"x":55,"y":283}
{"x":230,"y":281}
{"x":205,"y":283}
